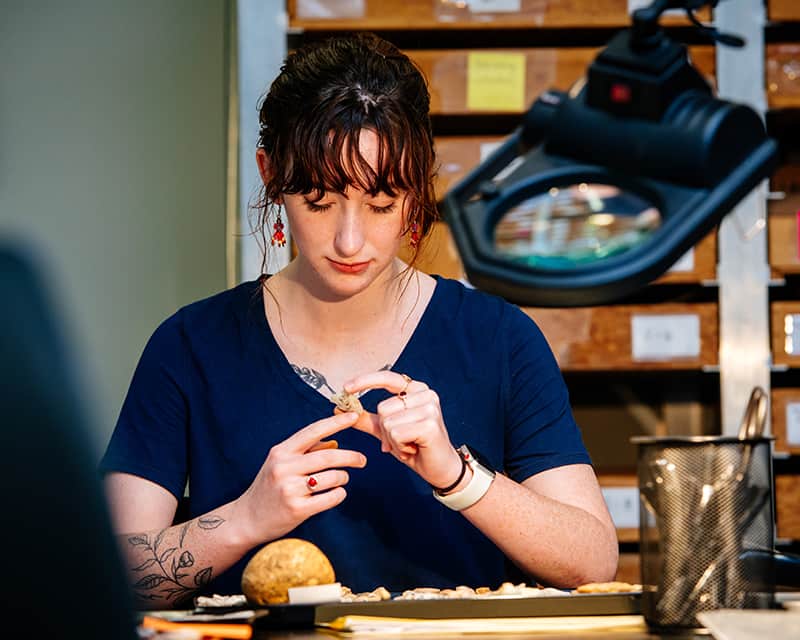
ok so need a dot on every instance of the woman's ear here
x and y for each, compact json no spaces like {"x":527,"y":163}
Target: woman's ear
{"x":265,"y":168}
{"x":264,"y":165}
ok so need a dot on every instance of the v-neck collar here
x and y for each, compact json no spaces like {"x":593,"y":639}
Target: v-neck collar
{"x":268,"y":341}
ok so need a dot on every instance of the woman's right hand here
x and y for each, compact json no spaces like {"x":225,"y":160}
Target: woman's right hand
{"x":282,"y":495}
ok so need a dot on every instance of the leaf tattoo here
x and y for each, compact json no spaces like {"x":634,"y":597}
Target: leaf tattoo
{"x":139,"y":540}
{"x":184,"y":529}
{"x":172,"y":563}
{"x":209,"y":522}
{"x":203,"y":577}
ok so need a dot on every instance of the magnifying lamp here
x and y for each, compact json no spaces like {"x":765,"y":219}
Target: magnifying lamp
{"x":601,"y":189}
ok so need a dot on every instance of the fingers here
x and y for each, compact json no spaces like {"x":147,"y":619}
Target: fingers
{"x":316,"y":461}
{"x":309,"y":437}
{"x":390,"y":380}
{"x":325,"y":444}
{"x":326,"y":480}
{"x":367,"y":422}
{"x":396,"y":404}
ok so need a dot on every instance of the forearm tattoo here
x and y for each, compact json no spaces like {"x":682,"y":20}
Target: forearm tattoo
{"x":170,"y":573}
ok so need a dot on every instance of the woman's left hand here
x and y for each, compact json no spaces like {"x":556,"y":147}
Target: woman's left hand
{"x":410,"y":426}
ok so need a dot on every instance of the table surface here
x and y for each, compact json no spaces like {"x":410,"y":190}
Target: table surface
{"x":632,"y":634}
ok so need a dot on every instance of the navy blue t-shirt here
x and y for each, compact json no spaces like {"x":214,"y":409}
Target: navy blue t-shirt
{"x":213,"y":393}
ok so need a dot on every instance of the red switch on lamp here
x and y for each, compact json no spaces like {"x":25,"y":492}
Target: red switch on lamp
{"x":620,"y":92}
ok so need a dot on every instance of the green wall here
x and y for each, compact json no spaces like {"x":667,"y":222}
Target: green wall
{"x":112,"y":164}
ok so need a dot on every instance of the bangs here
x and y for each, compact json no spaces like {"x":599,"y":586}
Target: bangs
{"x":325,"y":156}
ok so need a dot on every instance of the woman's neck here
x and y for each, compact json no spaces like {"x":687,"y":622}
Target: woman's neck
{"x":314,"y":314}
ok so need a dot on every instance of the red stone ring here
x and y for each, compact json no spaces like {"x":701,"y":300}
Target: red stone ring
{"x":311,"y":482}
{"x":402,"y":394}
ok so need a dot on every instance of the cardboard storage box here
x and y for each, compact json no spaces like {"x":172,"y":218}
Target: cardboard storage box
{"x":460,"y":14}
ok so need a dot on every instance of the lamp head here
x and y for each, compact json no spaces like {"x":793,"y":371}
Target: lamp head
{"x":600,"y":190}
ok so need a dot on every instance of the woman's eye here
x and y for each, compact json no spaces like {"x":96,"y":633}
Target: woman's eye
{"x":382,"y":209}
{"x":316,"y":207}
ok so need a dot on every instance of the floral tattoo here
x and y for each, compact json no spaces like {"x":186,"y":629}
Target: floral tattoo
{"x":170,"y":570}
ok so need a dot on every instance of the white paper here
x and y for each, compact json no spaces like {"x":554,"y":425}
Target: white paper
{"x":793,"y":424}
{"x":330,"y":9}
{"x":633,"y":5}
{"x":791,"y":327}
{"x":685,"y":262}
{"x":665,"y":337}
{"x":494,"y":6}
{"x":623,"y":505}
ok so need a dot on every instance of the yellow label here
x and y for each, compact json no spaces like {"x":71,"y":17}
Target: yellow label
{"x":495,"y":81}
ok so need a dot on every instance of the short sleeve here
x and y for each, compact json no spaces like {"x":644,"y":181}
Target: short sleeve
{"x":150,"y":438}
{"x":541,"y":432}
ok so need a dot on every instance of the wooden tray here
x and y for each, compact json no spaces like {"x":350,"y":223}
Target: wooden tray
{"x":290,"y":616}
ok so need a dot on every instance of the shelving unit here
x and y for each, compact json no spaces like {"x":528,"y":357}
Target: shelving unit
{"x":782,"y":50}
{"x":620,"y":386}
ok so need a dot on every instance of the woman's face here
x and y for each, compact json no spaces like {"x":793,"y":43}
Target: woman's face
{"x":345,"y":241}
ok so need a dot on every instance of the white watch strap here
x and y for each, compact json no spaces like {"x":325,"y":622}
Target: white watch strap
{"x":476,"y":488}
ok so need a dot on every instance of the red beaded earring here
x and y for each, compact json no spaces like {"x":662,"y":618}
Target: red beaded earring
{"x":414,"y":241}
{"x":277,"y":232}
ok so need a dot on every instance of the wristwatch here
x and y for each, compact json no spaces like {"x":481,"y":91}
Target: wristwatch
{"x":482,"y":478}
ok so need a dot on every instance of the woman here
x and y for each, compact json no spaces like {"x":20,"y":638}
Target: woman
{"x":234,"y":392}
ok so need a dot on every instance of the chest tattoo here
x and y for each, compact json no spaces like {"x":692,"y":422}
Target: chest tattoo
{"x":312,"y":378}
{"x":316,"y":380}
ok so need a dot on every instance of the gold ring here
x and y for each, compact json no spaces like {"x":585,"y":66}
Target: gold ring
{"x":311,"y":482}
{"x":403,"y":399}
{"x":408,"y":382}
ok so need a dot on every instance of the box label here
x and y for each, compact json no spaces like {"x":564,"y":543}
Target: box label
{"x":665,"y":337}
{"x":494,"y":6}
{"x":791,"y":330}
{"x":495,"y":81}
{"x":623,"y":505}
{"x":793,"y":424}
{"x":330,"y":9}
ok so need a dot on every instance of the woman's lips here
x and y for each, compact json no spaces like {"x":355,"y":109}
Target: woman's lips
{"x":352,"y":267}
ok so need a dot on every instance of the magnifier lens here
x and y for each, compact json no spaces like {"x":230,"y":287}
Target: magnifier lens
{"x":573,"y":226}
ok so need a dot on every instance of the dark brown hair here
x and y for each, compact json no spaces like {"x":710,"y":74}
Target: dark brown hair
{"x":316,"y":108}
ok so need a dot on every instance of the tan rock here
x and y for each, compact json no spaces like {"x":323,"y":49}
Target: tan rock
{"x":285,"y":563}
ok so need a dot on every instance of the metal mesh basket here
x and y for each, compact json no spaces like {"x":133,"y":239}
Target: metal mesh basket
{"x":704,"y":503}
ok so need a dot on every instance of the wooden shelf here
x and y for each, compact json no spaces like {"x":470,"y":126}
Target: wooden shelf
{"x":629,"y":482}
{"x":784,"y":235}
{"x":601,"y":338}
{"x":783,"y":75}
{"x":783,"y":10}
{"x":449,"y":77}
{"x":787,"y":497}
{"x":629,"y":568}
{"x":459,"y":154}
{"x":378,"y":15}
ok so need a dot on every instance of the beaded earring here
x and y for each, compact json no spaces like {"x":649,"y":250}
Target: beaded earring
{"x":414,"y":241}
{"x":277,"y":232}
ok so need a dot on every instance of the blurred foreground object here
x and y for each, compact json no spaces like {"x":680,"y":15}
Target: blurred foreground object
{"x":62,"y":572}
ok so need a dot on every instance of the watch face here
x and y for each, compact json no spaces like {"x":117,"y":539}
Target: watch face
{"x":468,"y":452}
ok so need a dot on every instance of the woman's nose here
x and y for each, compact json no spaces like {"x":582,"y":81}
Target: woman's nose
{"x":349,"y":233}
